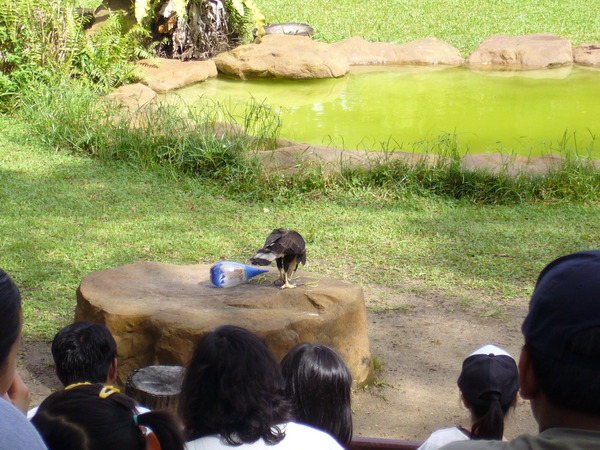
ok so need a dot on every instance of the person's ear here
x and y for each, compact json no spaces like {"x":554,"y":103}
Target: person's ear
{"x":152,"y":442}
{"x":465,"y":401}
{"x":112,"y":371}
{"x":527,"y":381}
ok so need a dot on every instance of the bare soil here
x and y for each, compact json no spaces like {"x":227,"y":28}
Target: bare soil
{"x":419,"y":342}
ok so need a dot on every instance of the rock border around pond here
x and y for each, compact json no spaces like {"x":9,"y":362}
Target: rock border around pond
{"x":296,"y":57}
{"x":281,"y":56}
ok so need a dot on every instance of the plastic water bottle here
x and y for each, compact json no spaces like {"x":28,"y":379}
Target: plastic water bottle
{"x":231,"y":273}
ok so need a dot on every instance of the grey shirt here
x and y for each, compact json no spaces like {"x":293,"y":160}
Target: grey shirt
{"x":550,"y":439}
{"x":16,"y":432}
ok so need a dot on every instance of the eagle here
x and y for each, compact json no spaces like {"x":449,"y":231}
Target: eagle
{"x":287,"y":248}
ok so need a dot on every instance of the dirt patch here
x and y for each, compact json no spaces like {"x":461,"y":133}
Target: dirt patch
{"x":420,"y":343}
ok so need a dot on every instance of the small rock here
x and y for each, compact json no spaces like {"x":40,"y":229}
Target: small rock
{"x":172,"y":74}
{"x":587,"y":55}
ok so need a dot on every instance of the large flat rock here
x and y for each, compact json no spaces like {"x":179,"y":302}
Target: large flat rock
{"x":531,"y":51}
{"x":157,"y":312}
{"x":429,"y":51}
{"x":283,"y":56}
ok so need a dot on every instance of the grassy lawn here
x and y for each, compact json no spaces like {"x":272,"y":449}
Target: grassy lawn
{"x":65,"y":216}
{"x":462,"y":23}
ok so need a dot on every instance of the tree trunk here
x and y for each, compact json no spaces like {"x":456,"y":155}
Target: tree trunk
{"x":202,"y":34}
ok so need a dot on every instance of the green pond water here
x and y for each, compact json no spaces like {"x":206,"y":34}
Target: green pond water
{"x":525,"y":112}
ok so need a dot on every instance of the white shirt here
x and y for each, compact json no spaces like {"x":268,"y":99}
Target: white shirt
{"x":439,"y":438}
{"x":297,"y":437}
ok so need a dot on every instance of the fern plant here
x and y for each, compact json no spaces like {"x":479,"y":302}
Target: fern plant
{"x":106,"y":56}
{"x":42,"y":40}
{"x":38,"y":40}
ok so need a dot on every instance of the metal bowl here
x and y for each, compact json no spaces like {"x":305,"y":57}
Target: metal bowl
{"x":300,"y":29}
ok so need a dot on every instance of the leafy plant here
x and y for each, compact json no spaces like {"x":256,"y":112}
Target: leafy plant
{"x":43,"y":40}
{"x":37,"y":40}
{"x":105,"y":57}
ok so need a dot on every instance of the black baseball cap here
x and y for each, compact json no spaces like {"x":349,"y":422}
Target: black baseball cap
{"x":487,"y":373}
{"x":565,"y":301}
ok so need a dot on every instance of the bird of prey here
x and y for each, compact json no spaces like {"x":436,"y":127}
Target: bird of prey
{"x":287,"y":248}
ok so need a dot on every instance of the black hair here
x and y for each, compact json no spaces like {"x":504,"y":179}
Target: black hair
{"x":233,"y":387}
{"x":319,"y":385}
{"x":571,"y":382}
{"x":489,"y":418}
{"x":82,"y":352}
{"x":10,"y":315}
{"x":79,"y":418}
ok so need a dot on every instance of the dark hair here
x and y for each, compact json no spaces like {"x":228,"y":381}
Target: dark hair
{"x":571,"y":382}
{"x":82,"y":352}
{"x":319,"y":385}
{"x":233,"y":387}
{"x":10,"y":315}
{"x":79,"y":418}
{"x":489,"y":419}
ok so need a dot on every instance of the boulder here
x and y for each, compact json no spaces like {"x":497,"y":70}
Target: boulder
{"x":587,"y":55}
{"x":133,"y":102}
{"x":291,"y":157}
{"x":512,"y":164}
{"x":357,"y":51}
{"x":532,"y":51}
{"x":172,"y":74}
{"x":283,"y":56}
{"x":156,"y":312}
{"x":133,"y":96}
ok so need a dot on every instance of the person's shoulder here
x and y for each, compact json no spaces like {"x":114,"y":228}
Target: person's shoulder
{"x":552,"y":438}
{"x":205,"y":443}
{"x":478,"y":444}
{"x":441,"y":437}
{"x":16,"y":431}
{"x":316,"y":439}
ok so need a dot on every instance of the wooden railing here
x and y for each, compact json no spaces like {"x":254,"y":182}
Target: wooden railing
{"x":365,"y":443}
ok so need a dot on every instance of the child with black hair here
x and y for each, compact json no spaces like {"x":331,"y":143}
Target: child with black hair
{"x":488,"y":383}
{"x":319,"y":385}
{"x":84,"y":351}
{"x":86,"y":416}
{"x":15,"y":432}
{"x":233,"y":397}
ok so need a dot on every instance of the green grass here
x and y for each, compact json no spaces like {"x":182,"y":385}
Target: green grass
{"x":65,"y":216}
{"x":462,"y":23}
{"x":82,"y":192}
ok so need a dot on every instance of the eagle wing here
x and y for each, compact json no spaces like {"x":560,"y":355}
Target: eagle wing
{"x":280,"y":243}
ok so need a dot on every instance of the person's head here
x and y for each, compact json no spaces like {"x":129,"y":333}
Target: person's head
{"x":562,"y":335}
{"x":84,"y":351}
{"x":97,"y":417}
{"x":489,"y":383}
{"x":319,"y":384}
{"x":10,"y":329}
{"x":233,"y":387}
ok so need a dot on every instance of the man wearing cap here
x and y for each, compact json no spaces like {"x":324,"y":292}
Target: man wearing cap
{"x":559,"y":368}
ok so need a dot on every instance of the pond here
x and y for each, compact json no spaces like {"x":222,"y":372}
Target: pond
{"x":394,"y":107}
